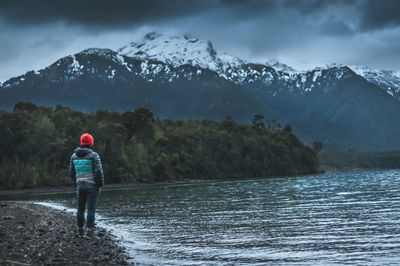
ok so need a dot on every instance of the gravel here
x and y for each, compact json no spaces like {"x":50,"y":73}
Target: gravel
{"x":32,"y":234}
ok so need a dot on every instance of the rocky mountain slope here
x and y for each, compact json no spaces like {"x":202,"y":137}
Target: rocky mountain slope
{"x":345,"y":107}
{"x":103,"y":79}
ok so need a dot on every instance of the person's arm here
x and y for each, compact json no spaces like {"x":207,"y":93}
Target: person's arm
{"x":72,"y":173}
{"x":98,"y":171}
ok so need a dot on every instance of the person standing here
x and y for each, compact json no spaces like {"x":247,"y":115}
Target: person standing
{"x":86,"y":172}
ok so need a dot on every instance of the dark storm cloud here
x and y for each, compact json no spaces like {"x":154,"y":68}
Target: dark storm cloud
{"x":117,"y":12}
{"x":35,"y":33}
{"x":307,"y":7}
{"x":333,"y":26}
{"x":97,"y":12}
{"x":372,"y":14}
{"x":380,"y":14}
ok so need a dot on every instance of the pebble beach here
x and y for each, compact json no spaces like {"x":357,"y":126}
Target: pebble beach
{"x":32,"y":234}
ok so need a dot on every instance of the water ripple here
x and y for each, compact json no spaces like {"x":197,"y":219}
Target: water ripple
{"x":335,"y":218}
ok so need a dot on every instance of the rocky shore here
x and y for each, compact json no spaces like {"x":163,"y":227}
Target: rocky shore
{"x":32,"y":234}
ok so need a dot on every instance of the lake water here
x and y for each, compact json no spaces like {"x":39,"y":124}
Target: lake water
{"x":334,"y":218}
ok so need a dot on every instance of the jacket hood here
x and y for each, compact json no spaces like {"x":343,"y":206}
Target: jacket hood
{"x":82,"y":151}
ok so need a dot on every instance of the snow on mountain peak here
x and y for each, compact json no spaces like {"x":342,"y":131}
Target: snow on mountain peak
{"x":278,"y":66}
{"x":366,"y":71}
{"x":386,"y":79}
{"x":177,"y":50}
{"x":97,"y":51}
{"x":180,"y":50}
{"x":328,"y":66}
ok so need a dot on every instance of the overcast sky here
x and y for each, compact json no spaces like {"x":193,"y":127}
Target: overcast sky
{"x":303,"y":34}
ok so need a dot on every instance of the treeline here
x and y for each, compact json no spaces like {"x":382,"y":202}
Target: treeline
{"x":352,"y":160}
{"x":37,"y":142}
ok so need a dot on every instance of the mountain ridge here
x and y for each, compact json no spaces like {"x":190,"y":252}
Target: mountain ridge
{"x":157,"y":47}
{"x":199,"y":82}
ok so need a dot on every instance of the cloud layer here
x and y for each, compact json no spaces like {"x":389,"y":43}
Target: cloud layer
{"x":297,"y":32}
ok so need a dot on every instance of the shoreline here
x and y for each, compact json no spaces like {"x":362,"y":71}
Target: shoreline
{"x":33,"y":234}
{"x":5,"y":192}
{"x":329,"y":171}
{"x":30,"y":191}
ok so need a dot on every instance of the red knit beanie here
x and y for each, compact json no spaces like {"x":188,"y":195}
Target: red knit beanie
{"x":87,"y":140}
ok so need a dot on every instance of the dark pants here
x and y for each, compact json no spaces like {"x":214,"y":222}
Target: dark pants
{"x":87,"y":195}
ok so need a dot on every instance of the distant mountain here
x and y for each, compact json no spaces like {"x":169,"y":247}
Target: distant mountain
{"x":278,"y":66}
{"x":387,"y":80}
{"x":337,"y":107}
{"x":185,"y":77}
{"x":103,"y":79}
{"x":177,"y":51}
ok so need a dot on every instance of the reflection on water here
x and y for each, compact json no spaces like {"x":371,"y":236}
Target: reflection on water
{"x":325,"y":219}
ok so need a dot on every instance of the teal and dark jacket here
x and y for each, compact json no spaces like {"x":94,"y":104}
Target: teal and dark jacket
{"x":85,"y":166}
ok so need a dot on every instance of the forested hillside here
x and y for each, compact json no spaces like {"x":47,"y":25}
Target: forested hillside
{"x":37,"y":142}
{"x":356,"y":160}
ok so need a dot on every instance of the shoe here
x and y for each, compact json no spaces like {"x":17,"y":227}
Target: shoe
{"x":90,"y":235}
{"x":80,"y":232}
{"x":87,"y":237}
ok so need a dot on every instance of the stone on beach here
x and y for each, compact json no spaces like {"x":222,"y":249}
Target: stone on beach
{"x":34,"y":234}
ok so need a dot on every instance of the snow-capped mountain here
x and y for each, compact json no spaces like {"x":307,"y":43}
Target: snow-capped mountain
{"x":388,"y":80}
{"x":104,"y":79}
{"x":178,"y":51}
{"x":182,"y":77}
{"x":278,"y":66}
